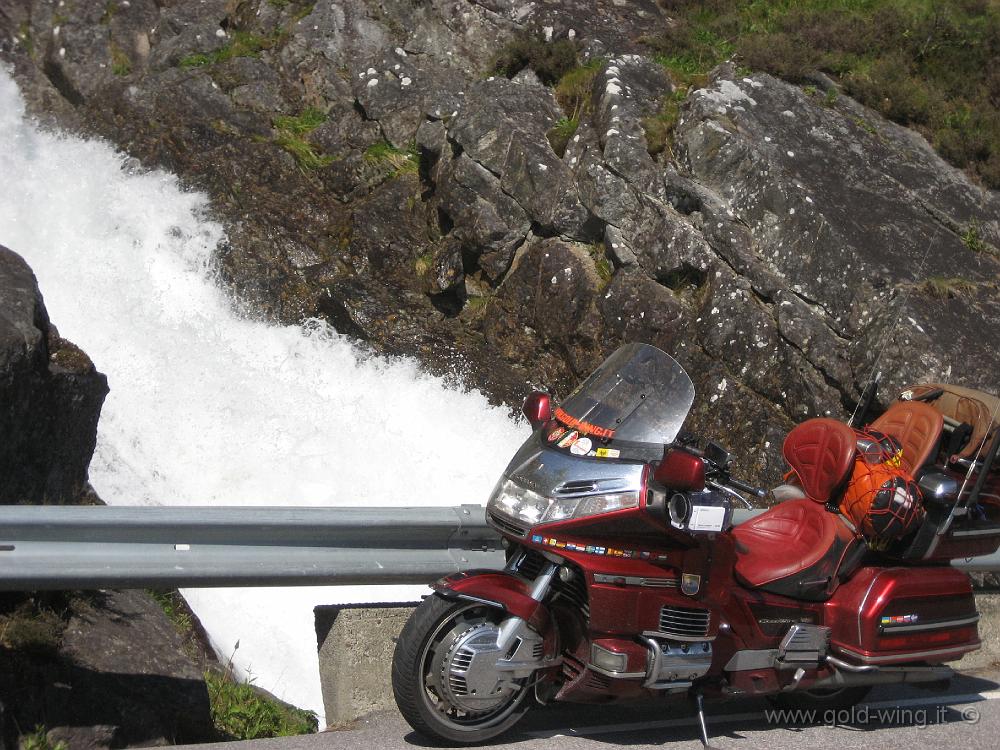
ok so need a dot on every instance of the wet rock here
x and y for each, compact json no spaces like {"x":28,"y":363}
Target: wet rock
{"x":488,"y":224}
{"x":50,"y":397}
{"x":547,"y":304}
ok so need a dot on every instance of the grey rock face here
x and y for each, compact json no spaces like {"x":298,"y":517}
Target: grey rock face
{"x":50,"y":397}
{"x":776,"y":245}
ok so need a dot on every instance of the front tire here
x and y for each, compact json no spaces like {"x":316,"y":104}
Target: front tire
{"x":431,"y":698}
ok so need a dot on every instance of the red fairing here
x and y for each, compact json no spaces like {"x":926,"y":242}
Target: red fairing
{"x":895,"y":615}
{"x":513,"y":594}
{"x":680,"y":470}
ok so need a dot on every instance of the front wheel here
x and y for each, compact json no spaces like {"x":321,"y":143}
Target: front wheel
{"x":444,"y":677}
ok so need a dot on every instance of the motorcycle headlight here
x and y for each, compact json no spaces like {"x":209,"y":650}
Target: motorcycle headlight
{"x":527,"y":506}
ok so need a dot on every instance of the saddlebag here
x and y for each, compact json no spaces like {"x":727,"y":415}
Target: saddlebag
{"x":896,"y":615}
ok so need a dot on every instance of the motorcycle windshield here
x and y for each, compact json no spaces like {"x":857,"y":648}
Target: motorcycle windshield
{"x":639,"y":394}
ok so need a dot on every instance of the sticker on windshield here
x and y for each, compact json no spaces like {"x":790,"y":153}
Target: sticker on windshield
{"x":581,"y":446}
{"x":568,"y":439}
{"x":585,"y":427}
{"x":607,"y":453}
{"x":556,"y":433}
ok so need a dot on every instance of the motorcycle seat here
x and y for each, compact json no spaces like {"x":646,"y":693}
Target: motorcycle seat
{"x":917,"y":426}
{"x":795,"y":549}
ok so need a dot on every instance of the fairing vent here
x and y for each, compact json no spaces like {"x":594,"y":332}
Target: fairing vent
{"x":508,"y":526}
{"x":531,"y":564}
{"x":573,"y":593}
{"x":572,"y":667}
{"x":684,"y":623}
{"x":577,"y":487}
{"x":597,"y":681}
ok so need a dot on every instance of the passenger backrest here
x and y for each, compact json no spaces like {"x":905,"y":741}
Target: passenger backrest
{"x":821,"y":453}
{"x":917,"y":426}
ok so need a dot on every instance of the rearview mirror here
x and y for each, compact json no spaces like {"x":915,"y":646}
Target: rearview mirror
{"x":537,"y":408}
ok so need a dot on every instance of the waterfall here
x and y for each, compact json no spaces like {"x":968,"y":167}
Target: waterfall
{"x":210,"y":407}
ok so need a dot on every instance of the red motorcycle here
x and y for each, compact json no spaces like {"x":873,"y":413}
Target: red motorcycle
{"x":626,"y":577}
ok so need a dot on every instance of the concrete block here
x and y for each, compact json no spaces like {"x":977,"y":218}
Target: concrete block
{"x":355,"y":657}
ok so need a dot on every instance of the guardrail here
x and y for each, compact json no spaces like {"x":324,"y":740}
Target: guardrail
{"x":62,"y":547}
{"x":58,"y":547}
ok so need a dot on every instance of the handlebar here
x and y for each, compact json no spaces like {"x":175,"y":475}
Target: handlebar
{"x":744,"y":487}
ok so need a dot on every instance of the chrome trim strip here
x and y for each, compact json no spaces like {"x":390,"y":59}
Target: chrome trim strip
{"x":674,"y":637}
{"x":977,"y":532}
{"x":910,"y":655}
{"x":617,"y":675}
{"x":929,"y":625}
{"x":663,"y":583}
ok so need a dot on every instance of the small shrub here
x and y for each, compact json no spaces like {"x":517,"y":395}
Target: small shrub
{"x":972,"y":238}
{"x":550,"y":60}
{"x":830,"y":98}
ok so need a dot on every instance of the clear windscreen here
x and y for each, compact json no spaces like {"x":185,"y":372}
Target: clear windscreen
{"x":639,"y":394}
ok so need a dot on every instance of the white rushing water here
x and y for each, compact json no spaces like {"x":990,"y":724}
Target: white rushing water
{"x":209,"y":408}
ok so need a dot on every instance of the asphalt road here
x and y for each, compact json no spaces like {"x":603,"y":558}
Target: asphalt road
{"x":966,"y":715}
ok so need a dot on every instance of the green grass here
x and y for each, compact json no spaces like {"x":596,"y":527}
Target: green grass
{"x":392,"y":160}
{"x":241,"y":44}
{"x":659,"y":129}
{"x":39,"y":740}
{"x":972,"y":238}
{"x":933,"y":65}
{"x":120,"y":64}
{"x":941,"y":287}
{"x":605,"y":270}
{"x":291,"y":132}
{"x":560,"y":134}
{"x":174,"y":608}
{"x":424,"y":263}
{"x":241,"y":712}
{"x":573,"y":89}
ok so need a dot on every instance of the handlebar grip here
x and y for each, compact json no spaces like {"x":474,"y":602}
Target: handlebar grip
{"x":744,"y":487}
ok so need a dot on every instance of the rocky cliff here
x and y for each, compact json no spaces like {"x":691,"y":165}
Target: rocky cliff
{"x":50,"y":398}
{"x":374,"y":170}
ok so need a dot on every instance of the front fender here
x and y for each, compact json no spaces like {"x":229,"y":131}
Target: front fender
{"x":500,"y":589}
